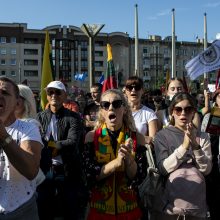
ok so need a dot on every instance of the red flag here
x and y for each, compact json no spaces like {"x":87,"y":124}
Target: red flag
{"x":110,"y":80}
{"x":185,"y":84}
{"x":217,"y":82}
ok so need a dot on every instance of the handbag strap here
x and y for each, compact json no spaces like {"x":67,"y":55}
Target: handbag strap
{"x":149,"y":156}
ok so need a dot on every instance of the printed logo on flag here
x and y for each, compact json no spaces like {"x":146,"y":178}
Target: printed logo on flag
{"x":211,"y":56}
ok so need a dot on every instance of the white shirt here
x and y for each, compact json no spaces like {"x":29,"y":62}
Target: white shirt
{"x":142,"y":117}
{"x":15,"y":189}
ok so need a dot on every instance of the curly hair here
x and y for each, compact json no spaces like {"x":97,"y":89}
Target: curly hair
{"x":128,"y":119}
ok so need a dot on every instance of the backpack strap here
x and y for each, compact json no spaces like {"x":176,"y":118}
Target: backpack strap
{"x":149,"y":156}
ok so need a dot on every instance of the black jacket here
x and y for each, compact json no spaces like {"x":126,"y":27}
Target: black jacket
{"x":69,"y":138}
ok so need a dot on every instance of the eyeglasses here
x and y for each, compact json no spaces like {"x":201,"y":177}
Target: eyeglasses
{"x":188,"y":110}
{"x":54,"y":92}
{"x":131,"y":87}
{"x":116,"y":104}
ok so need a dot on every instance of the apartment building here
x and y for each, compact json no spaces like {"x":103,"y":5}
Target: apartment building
{"x":21,"y":52}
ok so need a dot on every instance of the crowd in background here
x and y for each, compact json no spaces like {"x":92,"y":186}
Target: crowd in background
{"x":93,"y":152}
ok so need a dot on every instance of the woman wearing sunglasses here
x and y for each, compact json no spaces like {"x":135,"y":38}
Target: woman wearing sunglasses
{"x":174,"y":86}
{"x":183,"y":156}
{"x":144,"y":117}
{"x":114,"y":160}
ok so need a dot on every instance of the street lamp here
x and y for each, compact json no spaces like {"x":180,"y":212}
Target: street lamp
{"x":91,"y":31}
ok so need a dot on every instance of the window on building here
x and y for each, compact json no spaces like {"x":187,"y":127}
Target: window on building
{"x":145,"y":50}
{"x":53,"y":43}
{"x":166,"y":51}
{"x":13,"y":39}
{"x":53,"y":53}
{"x":76,"y":53}
{"x":3,"y":62}
{"x":13,"y":73}
{"x":13,"y":51}
{"x":184,"y":52}
{"x":99,"y":43}
{"x":3,"y":72}
{"x":30,"y":62}
{"x":2,"y":40}
{"x":98,"y":64}
{"x":98,"y":73}
{"x":13,"y":62}
{"x":84,"y":64}
{"x":3,"y":51}
{"x":84,"y":44}
{"x":84,"y":54}
{"x":31,"y":73}
{"x":76,"y":44}
{"x":30,"y":40}
{"x":99,"y":53}
{"x":30,"y":51}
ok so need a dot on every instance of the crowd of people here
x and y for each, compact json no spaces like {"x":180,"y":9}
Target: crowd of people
{"x":84,"y":157}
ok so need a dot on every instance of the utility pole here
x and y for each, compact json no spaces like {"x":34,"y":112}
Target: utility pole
{"x":173,"y":45}
{"x":136,"y":42}
{"x":91,"y":31}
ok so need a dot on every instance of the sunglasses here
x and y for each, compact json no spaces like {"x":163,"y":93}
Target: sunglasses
{"x":116,"y":104}
{"x":188,"y":110}
{"x":56,"y":92}
{"x":131,"y":87}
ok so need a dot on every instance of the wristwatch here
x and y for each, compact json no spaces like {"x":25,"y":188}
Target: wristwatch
{"x":6,"y":141}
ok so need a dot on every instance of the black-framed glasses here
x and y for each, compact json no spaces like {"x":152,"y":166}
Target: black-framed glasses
{"x":188,"y":110}
{"x":131,"y":87}
{"x":56,"y":92}
{"x":116,"y":104}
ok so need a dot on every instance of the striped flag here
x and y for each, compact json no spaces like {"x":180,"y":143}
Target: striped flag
{"x":110,"y":80}
{"x":217,"y":82}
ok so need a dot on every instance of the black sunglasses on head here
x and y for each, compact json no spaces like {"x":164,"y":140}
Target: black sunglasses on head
{"x":54,"y":92}
{"x":131,"y":87}
{"x":116,"y":104}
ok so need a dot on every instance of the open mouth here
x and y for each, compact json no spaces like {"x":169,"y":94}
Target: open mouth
{"x":112,"y":117}
{"x":184,"y":120}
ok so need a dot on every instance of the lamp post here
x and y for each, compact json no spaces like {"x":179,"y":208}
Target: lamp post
{"x":91,"y":31}
{"x":173,"y":45}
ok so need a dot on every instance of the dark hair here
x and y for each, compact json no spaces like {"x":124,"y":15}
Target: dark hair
{"x":135,"y":80}
{"x":15,"y":86}
{"x":98,"y":86}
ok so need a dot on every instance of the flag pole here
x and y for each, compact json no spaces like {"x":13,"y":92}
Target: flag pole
{"x":136,"y":41}
{"x":173,"y":45}
{"x":205,"y":47}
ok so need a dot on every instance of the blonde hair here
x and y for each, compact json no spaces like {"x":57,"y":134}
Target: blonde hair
{"x":128,"y":119}
{"x":29,"y":102}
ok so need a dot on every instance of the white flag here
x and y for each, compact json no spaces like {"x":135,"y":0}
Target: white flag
{"x":205,"y":62}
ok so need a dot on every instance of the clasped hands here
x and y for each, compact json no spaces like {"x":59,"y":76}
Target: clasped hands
{"x":190,"y":137}
{"x":125,"y":156}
